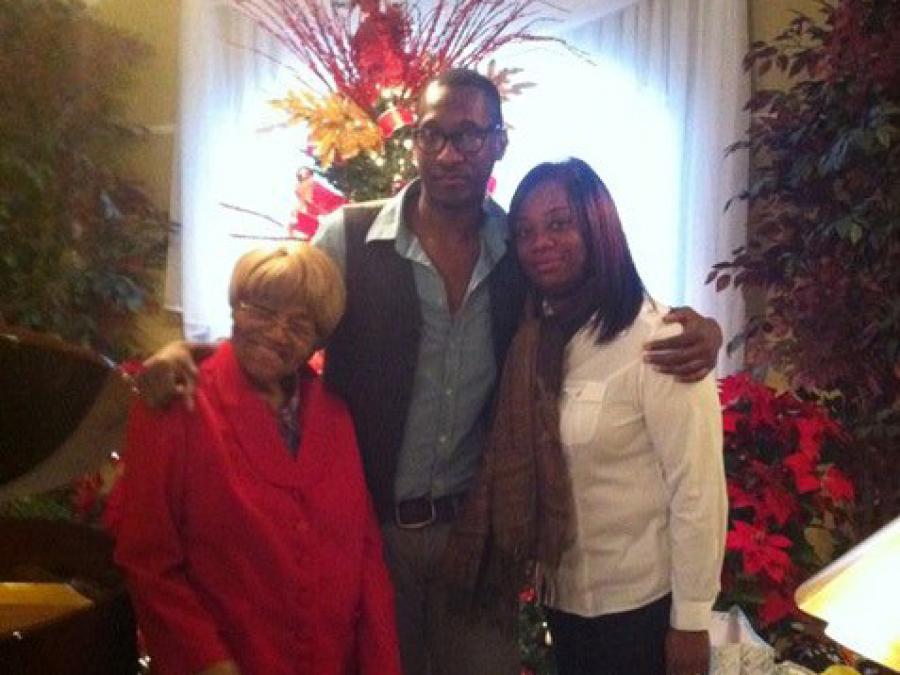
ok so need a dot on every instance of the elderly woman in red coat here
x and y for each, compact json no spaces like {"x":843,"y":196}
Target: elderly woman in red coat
{"x":247,"y":537}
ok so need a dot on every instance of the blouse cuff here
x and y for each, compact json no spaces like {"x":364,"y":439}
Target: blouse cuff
{"x":690,"y":615}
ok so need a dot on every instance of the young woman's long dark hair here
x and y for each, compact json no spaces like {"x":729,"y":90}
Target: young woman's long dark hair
{"x":611,"y":270}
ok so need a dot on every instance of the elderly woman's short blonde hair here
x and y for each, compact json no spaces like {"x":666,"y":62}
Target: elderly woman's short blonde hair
{"x":291,"y":275}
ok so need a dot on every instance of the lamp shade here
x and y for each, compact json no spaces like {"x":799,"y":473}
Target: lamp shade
{"x":858,"y":595}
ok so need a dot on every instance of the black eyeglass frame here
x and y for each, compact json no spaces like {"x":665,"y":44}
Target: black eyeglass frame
{"x":299,"y":328}
{"x":478,"y":136}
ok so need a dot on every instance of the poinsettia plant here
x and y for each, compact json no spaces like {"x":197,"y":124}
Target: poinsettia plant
{"x":790,"y":504}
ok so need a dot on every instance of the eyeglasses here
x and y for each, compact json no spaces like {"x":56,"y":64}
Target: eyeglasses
{"x":431,"y":140}
{"x":298,"y":326}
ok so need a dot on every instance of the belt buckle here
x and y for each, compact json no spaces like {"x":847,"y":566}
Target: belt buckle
{"x":417,"y":525}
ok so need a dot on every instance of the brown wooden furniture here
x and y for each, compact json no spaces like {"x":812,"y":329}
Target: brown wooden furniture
{"x":61,"y":409}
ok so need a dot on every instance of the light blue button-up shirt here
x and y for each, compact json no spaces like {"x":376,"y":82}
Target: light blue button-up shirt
{"x":456,"y":367}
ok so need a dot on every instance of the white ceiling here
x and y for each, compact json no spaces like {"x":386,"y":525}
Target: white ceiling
{"x":567,"y":14}
{"x":573,"y":13}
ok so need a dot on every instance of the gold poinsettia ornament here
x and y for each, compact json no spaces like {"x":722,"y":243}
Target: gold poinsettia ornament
{"x":339,"y":130}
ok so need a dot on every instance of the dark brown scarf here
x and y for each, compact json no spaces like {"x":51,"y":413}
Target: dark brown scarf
{"x":519,"y":510}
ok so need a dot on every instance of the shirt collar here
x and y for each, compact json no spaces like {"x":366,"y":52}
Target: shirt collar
{"x":390,"y":224}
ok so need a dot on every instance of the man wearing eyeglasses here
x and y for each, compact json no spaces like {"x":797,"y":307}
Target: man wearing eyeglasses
{"x":434,"y":297}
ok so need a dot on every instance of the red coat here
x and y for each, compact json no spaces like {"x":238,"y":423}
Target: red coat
{"x":235,"y":550}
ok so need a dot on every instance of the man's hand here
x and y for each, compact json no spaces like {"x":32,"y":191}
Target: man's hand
{"x":221,"y":668}
{"x":691,"y":355}
{"x":687,"y":652}
{"x":171,"y":372}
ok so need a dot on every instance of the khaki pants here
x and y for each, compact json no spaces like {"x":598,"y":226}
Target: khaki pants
{"x":434,"y":641}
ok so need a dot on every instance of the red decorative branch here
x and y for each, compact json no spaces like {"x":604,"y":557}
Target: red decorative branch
{"x":454,"y":33}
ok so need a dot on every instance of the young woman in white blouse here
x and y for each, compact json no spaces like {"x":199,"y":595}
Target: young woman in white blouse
{"x":603,"y":472}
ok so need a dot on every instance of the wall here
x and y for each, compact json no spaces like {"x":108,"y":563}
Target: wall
{"x":769,"y":17}
{"x":153,"y":103}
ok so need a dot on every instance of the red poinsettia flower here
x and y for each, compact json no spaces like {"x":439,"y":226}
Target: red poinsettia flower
{"x":132,"y":367}
{"x":738,"y":497}
{"x":776,"y":481}
{"x":838,"y":487}
{"x":803,"y":468}
{"x":763,"y":405}
{"x":762,"y":551}
{"x":86,"y":494}
{"x":777,"y":504}
{"x":317,"y":361}
{"x":111,"y":517}
{"x":775,"y":607}
{"x":760,"y":470}
{"x":810,"y":432}
{"x":730,"y":420}
{"x":734,"y":387}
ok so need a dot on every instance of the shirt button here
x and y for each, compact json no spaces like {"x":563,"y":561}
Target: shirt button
{"x":449,"y":391}
{"x":442,"y":439}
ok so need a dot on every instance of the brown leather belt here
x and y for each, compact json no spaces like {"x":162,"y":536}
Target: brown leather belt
{"x":413,"y":514}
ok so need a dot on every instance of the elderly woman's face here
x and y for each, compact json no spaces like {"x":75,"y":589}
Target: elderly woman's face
{"x":271,"y":340}
{"x":548,"y":240}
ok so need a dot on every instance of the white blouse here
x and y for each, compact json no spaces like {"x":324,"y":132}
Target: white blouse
{"x":644,"y":454}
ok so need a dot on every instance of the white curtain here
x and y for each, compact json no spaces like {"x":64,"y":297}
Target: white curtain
{"x":653,"y":111}
{"x":228,"y":154}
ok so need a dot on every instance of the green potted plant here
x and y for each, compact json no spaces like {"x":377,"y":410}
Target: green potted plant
{"x":824,"y":238}
{"x":81,"y":244}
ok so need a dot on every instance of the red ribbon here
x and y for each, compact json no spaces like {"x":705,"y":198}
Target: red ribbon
{"x":315,"y":199}
{"x":394,"y":118}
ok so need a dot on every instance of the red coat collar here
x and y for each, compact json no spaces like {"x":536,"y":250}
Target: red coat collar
{"x":256,"y":429}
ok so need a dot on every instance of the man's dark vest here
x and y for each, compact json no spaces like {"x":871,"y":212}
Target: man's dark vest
{"x":372,"y":356}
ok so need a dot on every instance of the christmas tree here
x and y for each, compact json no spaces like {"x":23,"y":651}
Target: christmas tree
{"x":368,"y":61}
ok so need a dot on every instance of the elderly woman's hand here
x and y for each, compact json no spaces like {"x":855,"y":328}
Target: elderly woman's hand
{"x":171,"y":372}
{"x":691,"y":355}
